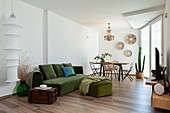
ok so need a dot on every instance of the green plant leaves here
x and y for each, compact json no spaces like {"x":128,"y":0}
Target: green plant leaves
{"x":103,"y":55}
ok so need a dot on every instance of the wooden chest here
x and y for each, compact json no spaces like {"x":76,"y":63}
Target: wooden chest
{"x":42,"y":96}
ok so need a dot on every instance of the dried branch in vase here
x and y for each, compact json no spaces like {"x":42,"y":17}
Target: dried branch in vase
{"x":24,"y":67}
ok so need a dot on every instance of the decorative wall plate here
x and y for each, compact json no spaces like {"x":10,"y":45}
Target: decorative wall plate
{"x":128,"y":53}
{"x":130,"y":39}
{"x":119,"y":45}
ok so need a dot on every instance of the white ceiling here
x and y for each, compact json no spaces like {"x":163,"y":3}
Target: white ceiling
{"x":138,"y":19}
{"x":96,"y":13}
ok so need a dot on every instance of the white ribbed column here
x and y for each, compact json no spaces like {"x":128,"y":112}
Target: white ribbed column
{"x":12,"y":50}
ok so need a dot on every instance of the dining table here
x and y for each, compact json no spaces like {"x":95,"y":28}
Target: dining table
{"x":120,"y":64}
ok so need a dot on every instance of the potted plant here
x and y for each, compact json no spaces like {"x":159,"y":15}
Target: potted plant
{"x":24,"y":70}
{"x":102,"y":57}
{"x":140,"y":68}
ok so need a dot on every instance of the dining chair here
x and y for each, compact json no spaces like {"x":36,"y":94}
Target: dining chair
{"x":127,"y":72}
{"x":94,"y":69}
{"x":108,"y":69}
{"x":116,"y":69}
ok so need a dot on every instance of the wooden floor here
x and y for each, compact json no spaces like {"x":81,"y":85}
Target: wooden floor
{"x":128,"y":97}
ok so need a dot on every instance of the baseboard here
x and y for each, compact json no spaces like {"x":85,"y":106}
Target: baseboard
{"x":132,"y":75}
{"x":7,"y":96}
{"x":113,"y":74}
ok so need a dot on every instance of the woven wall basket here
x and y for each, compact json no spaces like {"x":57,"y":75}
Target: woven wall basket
{"x":119,"y":45}
{"x":128,"y":53}
{"x":130,"y":39}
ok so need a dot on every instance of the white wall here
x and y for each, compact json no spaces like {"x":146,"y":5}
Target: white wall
{"x":167,"y":37}
{"x":67,"y":40}
{"x":70,"y":42}
{"x":31,"y":19}
{"x":118,"y":55}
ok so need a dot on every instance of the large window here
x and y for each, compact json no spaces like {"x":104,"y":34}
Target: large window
{"x":145,"y":39}
{"x":156,"y":41}
{"x":151,"y":38}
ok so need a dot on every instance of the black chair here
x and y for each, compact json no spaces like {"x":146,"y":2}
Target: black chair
{"x":127,"y":72}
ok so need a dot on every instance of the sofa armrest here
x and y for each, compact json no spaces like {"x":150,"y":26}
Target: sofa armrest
{"x":37,"y":79}
{"x":78,"y":69}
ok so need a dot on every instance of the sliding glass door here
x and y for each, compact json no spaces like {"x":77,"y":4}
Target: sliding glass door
{"x":145,"y":43}
{"x":151,"y":38}
{"x":156,"y":42}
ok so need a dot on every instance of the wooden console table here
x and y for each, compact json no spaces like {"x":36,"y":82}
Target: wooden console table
{"x":159,"y":101}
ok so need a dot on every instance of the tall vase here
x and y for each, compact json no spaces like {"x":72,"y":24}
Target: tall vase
{"x":102,"y":60}
{"x":22,"y":89}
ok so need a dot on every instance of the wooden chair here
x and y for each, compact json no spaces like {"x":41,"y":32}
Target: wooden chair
{"x":109,"y":68}
{"x":116,"y":69}
{"x":94,"y":69}
{"x":127,"y":72}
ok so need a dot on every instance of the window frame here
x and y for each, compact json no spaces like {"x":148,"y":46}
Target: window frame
{"x":150,"y":36}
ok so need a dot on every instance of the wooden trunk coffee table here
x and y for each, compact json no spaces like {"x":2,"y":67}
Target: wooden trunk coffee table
{"x":39,"y":96}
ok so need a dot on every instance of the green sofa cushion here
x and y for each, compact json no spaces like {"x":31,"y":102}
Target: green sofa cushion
{"x":65,"y":85}
{"x":58,"y":70}
{"x":64,"y":80}
{"x":67,"y":64}
{"x":47,"y":71}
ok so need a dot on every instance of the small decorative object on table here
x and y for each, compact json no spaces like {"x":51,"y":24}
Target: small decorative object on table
{"x":24,"y":70}
{"x":43,"y":87}
{"x":102,"y":57}
{"x":40,"y":96}
{"x":140,"y":68}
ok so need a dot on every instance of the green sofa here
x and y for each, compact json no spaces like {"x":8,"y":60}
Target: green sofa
{"x":64,"y":85}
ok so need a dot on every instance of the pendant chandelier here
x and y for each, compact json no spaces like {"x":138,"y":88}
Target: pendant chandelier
{"x":109,"y":36}
{"x":12,"y":50}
